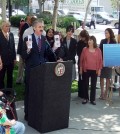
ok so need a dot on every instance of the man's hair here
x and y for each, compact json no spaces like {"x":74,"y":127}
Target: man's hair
{"x":33,"y":19}
{"x":36,"y":22}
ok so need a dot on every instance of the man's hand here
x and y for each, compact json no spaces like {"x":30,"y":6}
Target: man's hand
{"x":13,"y":122}
{"x":60,"y":60}
{"x":1,"y":93}
{"x":1,"y":65}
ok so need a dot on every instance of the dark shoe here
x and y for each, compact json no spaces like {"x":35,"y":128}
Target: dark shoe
{"x":84,"y":101}
{"x":93,"y":102}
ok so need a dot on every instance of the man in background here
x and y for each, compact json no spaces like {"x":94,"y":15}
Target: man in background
{"x":19,"y":50}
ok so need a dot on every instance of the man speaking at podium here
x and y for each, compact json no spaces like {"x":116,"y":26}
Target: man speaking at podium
{"x":36,"y":51}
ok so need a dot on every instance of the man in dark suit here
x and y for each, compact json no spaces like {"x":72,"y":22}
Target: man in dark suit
{"x":37,"y":53}
{"x":25,"y":26}
{"x":8,"y":54}
{"x":68,"y":48}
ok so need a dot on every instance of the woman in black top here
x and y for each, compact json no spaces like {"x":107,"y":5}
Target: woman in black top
{"x":106,"y":72}
{"x":50,"y":36}
{"x":68,"y":49}
{"x":84,"y":37}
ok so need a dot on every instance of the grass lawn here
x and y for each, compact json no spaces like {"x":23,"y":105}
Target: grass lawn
{"x":19,"y":88}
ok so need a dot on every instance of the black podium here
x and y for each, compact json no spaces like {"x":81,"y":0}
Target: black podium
{"x":49,"y":96}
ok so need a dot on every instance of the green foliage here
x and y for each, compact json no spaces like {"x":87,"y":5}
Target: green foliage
{"x":15,"y":20}
{"x":20,"y":2}
{"x":65,"y":21}
{"x":74,"y":87}
{"x":47,"y":17}
{"x":115,"y":4}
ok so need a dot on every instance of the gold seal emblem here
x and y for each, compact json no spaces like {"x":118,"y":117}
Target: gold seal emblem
{"x":60,"y":69}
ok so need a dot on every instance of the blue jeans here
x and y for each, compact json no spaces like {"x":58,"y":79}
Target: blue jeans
{"x":19,"y":128}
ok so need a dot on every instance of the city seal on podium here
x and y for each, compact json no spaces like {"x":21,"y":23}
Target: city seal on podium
{"x":60,"y":69}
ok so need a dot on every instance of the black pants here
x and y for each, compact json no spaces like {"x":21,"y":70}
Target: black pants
{"x":81,"y":86}
{"x":26,"y":97}
{"x":92,"y":23}
{"x":90,"y":74}
{"x":9,"y":70}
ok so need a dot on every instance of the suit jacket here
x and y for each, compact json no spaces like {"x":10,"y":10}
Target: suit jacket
{"x":35,"y":58}
{"x":20,"y":42}
{"x":104,"y":41}
{"x":7,"y":49}
{"x":68,"y":53}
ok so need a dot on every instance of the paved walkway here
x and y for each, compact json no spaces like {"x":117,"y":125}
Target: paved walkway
{"x":86,"y":119}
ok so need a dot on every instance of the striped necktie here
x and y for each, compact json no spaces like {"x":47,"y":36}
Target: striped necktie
{"x":39,"y":44}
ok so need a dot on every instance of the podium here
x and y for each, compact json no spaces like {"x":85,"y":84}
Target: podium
{"x":49,"y":96}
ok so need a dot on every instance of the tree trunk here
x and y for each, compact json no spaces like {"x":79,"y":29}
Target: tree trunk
{"x":83,"y":26}
{"x":54,"y":20}
{"x":3,"y":10}
{"x":40,"y":2}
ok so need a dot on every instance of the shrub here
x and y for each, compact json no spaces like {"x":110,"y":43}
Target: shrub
{"x":15,"y":20}
{"x":65,"y":21}
{"x":46,"y":17}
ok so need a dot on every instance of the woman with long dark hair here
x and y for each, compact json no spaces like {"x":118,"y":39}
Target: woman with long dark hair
{"x":106,"y":72}
{"x":84,"y":37}
{"x":50,"y":36}
{"x":90,"y":67}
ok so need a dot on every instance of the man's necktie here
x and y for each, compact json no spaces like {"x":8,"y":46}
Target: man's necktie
{"x":39,"y":44}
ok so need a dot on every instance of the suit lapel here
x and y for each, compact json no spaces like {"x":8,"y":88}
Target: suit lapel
{"x":69,"y":44}
{"x":34,"y":43}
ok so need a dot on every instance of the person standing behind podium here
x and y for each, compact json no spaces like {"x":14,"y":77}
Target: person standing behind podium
{"x":39,"y":53}
{"x":8,"y":55}
{"x":68,"y":49}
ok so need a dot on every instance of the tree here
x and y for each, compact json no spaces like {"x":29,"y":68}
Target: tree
{"x":115,"y":4}
{"x":40,"y":3}
{"x":55,"y":12}
{"x":3,"y":9}
{"x":89,"y":2}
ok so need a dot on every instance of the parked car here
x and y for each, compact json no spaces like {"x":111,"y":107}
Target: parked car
{"x":49,"y":12}
{"x":80,"y":17}
{"x":15,"y":12}
{"x":103,"y":18}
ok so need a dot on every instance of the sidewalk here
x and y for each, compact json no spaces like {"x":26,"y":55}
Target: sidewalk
{"x":86,"y":119}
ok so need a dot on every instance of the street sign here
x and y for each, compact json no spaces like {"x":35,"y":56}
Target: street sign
{"x":111,"y":55}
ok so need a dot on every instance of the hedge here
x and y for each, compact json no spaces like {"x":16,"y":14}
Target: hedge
{"x":15,"y":20}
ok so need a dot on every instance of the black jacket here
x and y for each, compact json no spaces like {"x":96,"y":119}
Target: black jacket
{"x":68,"y":54}
{"x":35,"y":58}
{"x":7,"y":49}
{"x":80,"y":45}
{"x":104,"y":41}
{"x":20,"y":42}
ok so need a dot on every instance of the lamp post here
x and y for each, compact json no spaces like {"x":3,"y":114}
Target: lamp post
{"x":28,"y":7}
{"x":10,"y":8}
